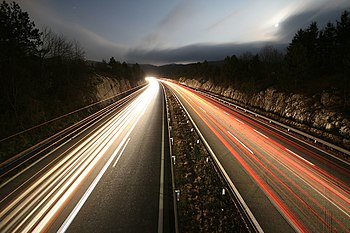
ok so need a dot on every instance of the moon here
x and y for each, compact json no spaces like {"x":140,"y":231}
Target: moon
{"x":276,"y":25}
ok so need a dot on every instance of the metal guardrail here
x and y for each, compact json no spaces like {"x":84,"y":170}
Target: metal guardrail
{"x":289,"y":128}
{"x":120,"y":95}
{"x":248,"y":216}
{"x":176,"y":226}
{"x":42,"y":146}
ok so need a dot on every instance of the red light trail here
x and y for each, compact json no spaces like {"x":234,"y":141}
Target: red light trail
{"x":310,"y":190}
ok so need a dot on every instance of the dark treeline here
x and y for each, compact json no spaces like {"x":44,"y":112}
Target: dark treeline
{"x":42,"y":74}
{"x":119,"y":70}
{"x":316,"y":59}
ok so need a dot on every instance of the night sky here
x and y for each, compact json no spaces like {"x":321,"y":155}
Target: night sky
{"x":178,"y":31}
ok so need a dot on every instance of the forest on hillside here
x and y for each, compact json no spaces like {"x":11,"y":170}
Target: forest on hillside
{"x":316,"y":59}
{"x":43,"y":75}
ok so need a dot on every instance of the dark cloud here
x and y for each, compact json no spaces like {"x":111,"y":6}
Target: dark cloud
{"x":171,"y":28}
{"x":292,"y":24}
{"x":174,"y":20}
{"x":178,"y":15}
{"x":196,"y":52}
{"x":201,"y":52}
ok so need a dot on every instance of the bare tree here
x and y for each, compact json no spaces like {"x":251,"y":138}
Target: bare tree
{"x":57,"y":46}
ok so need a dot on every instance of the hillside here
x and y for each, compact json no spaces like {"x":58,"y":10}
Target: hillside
{"x":44,"y":76}
{"x":307,"y":86}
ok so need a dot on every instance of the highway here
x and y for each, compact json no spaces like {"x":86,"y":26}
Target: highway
{"x":112,"y":174}
{"x":288,"y":186}
{"x":110,"y":177}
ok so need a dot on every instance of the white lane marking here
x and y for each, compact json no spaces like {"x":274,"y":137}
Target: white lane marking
{"x":55,"y":186}
{"x":239,"y":121}
{"x":202,"y":109}
{"x":261,"y":134}
{"x":240,"y":142}
{"x":299,"y":157}
{"x":311,"y":186}
{"x":235,"y":190}
{"x":161,"y":182}
{"x":116,"y":161}
{"x":226,"y":113}
{"x":86,"y":195}
{"x":48,"y":154}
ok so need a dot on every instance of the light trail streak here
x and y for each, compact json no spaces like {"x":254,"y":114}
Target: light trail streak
{"x":308,"y":194}
{"x":261,"y":134}
{"x":81,"y":202}
{"x":76,"y":209}
{"x":239,"y":121}
{"x":300,"y":157}
{"x":240,"y":142}
{"x":35,"y":207}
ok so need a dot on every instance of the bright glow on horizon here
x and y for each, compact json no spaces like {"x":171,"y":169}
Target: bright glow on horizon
{"x":153,"y":83}
{"x":150,"y":79}
{"x":55,"y":187}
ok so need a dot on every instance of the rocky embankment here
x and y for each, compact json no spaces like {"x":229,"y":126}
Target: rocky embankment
{"x":316,"y":115}
{"x":97,"y":89}
{"x":107,"y":87}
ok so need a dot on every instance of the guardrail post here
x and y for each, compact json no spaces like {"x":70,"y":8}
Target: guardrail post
{"x":177,"y":195}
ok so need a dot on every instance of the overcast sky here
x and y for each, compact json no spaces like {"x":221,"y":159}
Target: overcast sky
{"x":176,"y":31}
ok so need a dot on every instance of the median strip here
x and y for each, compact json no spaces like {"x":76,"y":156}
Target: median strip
{"x":202,"y":205}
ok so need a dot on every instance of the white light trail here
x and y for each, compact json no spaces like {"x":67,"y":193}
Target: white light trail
{"x":39,"y":204}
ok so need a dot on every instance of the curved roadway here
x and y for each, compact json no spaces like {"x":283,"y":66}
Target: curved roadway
{"x":288,"y":185}
{"x":110,"y":177}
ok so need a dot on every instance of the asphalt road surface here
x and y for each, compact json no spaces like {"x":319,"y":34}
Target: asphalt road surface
{"x":288,"y":185}
{"x":109,"y":178}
